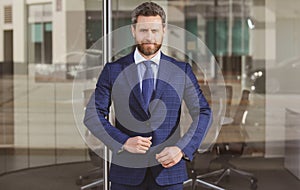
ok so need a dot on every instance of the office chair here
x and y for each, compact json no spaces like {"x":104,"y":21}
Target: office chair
{"x":231,"y":143}
{"x":207,"y":93}
{"x":228,"y":89}
{"x":94,"y":176}
{"x":198,"y":171}
{"x":199,"y":168}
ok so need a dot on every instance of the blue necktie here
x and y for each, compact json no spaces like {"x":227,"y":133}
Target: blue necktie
{"x":148,"y":83}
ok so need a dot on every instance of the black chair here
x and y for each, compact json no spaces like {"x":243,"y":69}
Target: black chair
{"x":231,"y":143}
{"x":228,"y":99}
{"x":199,"y":168}
{"x":94,"y":177}
{"x":198,"y":171}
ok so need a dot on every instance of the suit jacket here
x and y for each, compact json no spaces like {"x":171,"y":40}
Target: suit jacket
{"x":119,"y":83}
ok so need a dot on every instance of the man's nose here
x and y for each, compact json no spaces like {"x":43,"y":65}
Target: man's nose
{"x":149,"y":35}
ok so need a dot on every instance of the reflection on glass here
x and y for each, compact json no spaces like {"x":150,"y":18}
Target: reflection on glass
{"x":40,"y":33}
{"x":244,"y":35}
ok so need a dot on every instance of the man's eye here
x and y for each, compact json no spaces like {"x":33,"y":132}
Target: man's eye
{"x":144,"y":30}
{"x":154,"y":31}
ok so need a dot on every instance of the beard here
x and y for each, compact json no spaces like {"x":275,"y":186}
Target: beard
{"x":148,"y":50}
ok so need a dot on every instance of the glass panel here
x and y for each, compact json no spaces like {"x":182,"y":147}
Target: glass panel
{"x":48,"y":27}
{"x":37,"y":33}
{"x":34,"y":43}
{"x":47,"y":43}
{"x":240,"y":38}
{"x":217,"y":36}
{"x":223,"y":25}
{"x":256,"y":43}
{"x":40,"y":33}
{"x":93,"y":21}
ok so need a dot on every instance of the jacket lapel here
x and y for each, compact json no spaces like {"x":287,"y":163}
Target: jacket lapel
{"x":131,"y":74}
{"x":163,"y":77}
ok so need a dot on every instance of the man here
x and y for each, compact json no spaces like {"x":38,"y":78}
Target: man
{"x":147,"y":89}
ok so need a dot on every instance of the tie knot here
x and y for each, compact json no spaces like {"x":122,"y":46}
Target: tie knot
{"x":148,"y":64}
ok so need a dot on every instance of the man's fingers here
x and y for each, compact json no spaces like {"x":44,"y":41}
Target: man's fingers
{"x":140,"y":151}
{"x":146,"y":140}
{"x":162,"y":154}
{"x":143,"y":147}
{"x":143,"y":143}
{"x":164,"y":158}
{"x":168,"y":165}
{"x":169,"y":156}
{"x":138,"y":144}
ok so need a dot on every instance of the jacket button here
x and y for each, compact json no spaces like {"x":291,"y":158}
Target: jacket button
{"x":148,"y":124}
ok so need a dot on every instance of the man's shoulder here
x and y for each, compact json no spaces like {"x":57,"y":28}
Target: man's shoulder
{"x":117,"y":66}
{"x":125,"y":60}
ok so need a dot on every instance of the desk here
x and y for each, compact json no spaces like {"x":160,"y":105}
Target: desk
{"x":292,"y":142}
{"x":231,"y":134}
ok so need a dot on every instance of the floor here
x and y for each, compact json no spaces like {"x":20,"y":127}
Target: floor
{"x":270,"y":173}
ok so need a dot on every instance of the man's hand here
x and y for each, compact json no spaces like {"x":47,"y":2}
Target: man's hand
{"x":169,"y":156}
{"x":138,"y":144}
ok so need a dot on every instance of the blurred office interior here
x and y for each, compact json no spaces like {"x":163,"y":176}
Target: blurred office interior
{"x":256,"y":44}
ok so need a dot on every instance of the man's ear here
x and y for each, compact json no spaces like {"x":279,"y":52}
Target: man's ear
{"x":133,"y":31}
{"x":164,"y":28}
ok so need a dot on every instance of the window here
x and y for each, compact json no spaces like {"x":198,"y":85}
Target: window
{"x":40,"y":33}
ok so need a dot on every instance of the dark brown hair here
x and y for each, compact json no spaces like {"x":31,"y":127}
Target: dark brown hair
{"x":148,"y":9}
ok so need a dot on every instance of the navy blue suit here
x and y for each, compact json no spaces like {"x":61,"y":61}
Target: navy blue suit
{"x":118,"y":83}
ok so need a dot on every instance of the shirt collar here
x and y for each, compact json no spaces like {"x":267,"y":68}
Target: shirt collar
{"x":138,"y":58}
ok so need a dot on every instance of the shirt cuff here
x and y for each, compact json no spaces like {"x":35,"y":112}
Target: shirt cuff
{"x":121,"y":150}
{"x":185,"y":157}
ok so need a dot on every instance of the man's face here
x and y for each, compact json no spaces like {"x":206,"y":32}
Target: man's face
{"x":148,"y":33}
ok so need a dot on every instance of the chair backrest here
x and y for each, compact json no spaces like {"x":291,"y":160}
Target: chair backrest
{"x":228,"y":99}
{"x":242,"y":108}
{"x":206,"y":92}
{"x":232,"y":137}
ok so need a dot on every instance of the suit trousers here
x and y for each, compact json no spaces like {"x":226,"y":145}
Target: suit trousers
{"x":148,"y":183}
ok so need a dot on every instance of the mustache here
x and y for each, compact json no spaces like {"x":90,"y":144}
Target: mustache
{"x":145,"y":43}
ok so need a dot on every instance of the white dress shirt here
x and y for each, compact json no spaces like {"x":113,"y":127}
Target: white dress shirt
{"x":138,"y":58}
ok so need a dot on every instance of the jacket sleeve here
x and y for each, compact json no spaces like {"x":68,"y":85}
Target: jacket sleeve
{"x":200,"y":113}
{"x":97,"y":111}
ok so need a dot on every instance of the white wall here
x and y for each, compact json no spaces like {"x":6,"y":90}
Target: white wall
{"x":19,"y":31}
{"x":288,"y":38}
{"x":75,"y":29}
{"x":282,"y":42}
{"x":1,"y":32}
{"x":3,"y":26}
{"x":38,"y":1}
{"x":257,"y":35}
{"x":273,"y":147}
{"x":43,"y":117}
{"x":68,"y":31}
{"x":59,"y":34}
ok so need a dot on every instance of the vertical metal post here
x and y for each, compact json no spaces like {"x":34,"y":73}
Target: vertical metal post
{"x":243,"y":48}
{"x":213,"y":62}
{"x":106,"y":18}
{"x":230,"y":26}
{"x":107,"y":23}
{"x":243,"y":29}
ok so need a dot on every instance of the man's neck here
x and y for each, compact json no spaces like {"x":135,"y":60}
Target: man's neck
{"x":148,"y":57}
